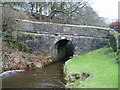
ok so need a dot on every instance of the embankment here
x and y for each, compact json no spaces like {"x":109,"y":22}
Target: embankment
{"x":96,"y":69}
{"x":14,"y":59}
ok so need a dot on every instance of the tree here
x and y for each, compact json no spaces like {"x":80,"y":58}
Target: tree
{"x":62,"y":12}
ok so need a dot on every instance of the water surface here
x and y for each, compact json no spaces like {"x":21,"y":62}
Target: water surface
{"x":47,"y":77}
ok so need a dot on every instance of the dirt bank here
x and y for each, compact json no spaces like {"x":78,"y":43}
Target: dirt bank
{"x":13,"y":59}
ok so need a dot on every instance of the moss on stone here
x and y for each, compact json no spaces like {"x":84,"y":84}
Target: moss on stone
{"x":112,"y":42}
{"x":114,"y":39}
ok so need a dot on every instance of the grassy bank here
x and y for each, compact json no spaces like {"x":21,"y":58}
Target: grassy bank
{"x":99,"y":65}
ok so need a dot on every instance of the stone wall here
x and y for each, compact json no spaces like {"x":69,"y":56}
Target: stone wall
{"x":63,"y":29}
{"x":40,"y":36}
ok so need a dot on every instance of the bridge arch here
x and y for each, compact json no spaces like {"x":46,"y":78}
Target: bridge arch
{"x":63,"y":50}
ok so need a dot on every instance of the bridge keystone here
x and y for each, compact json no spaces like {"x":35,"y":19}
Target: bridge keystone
{"x":63,"y":38}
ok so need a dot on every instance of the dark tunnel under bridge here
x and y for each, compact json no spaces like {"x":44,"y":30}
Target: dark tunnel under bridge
{"x":63,"y":50}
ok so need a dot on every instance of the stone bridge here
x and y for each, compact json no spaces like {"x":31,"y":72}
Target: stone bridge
{"x":60,"y":40}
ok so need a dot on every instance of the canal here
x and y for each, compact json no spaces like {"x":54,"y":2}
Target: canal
{"x":50,"y":76}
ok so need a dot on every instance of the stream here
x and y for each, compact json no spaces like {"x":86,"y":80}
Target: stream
{"x":50,"y":76}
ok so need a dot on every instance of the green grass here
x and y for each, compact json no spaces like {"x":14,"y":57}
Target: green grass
{"x":101,"y":66}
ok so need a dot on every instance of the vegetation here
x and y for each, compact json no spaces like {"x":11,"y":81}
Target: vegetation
{"x":99,"y":65}
{"x":15,"y":59}
{"x":80,"y":13}
{"x":114,"y":41}
{"x":8,"y":23}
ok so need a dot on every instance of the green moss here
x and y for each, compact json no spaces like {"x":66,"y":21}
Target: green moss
{"x":99,"y":64}
{"x":112,"y":42}
{"x":1,"y":5}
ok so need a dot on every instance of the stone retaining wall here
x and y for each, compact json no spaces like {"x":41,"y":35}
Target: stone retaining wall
{"x":40,"y":36}
{"x":63,"y":29}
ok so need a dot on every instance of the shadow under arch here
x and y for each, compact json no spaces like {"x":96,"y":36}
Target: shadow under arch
{"x":63,"y":50}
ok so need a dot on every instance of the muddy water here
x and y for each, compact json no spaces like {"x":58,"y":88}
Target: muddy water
{"x":47,"y":77}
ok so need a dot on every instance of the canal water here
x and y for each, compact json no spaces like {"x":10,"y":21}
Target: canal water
{"x":50,"y":76}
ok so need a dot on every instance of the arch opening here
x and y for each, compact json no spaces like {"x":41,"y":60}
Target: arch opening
{"x":63,"y":50}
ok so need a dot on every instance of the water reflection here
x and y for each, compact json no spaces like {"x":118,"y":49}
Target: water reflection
{"x":48,"y":77}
